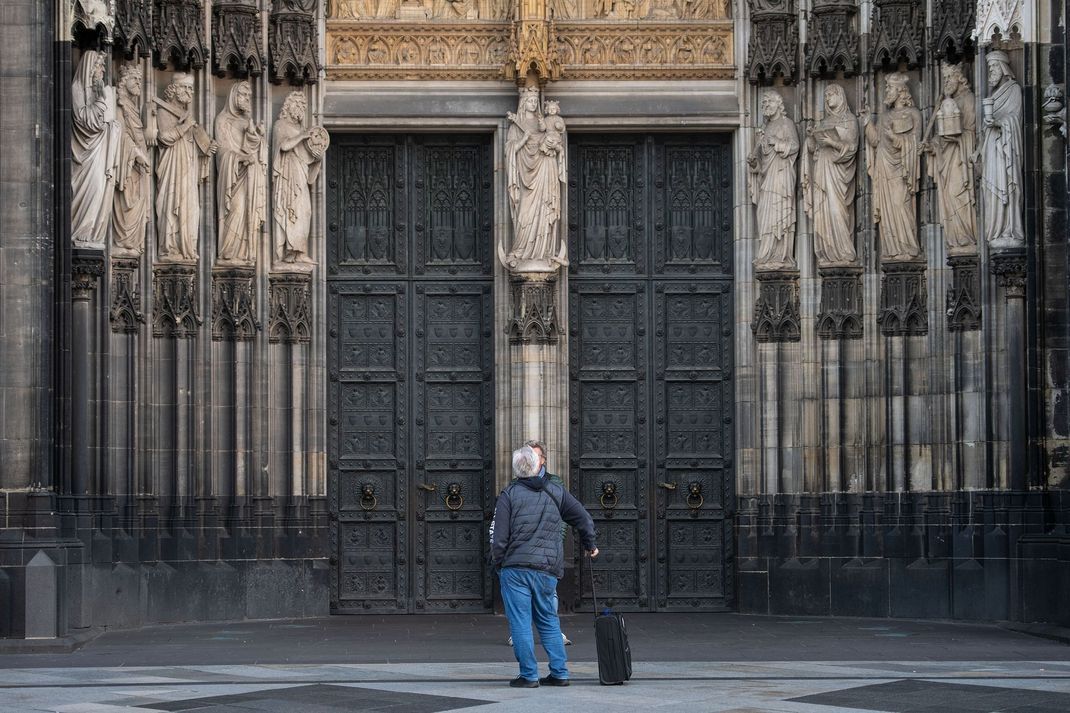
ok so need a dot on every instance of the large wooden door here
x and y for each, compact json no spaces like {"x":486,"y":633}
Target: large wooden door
{"x":650,"y":234}
{"x":410,"y":390}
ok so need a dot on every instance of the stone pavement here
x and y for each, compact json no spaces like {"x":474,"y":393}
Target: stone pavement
{"x":707,"y":663}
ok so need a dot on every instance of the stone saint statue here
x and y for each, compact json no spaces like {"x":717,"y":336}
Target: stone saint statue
{"x":536,"y":169}
{"x":184,"y":152}
{"x":131,"y":206}
{"x":951,"y":166}
{"x":893,"y":164}
{"x":295,"y":166}
{"x":94,"y":145}
{"x":772,"y":185}
{"x":1001,"y":156}
{"x":241,"y":167}
{"x":830,"y":195}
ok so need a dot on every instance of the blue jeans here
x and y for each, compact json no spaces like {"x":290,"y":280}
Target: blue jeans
{"x":532,"y":595}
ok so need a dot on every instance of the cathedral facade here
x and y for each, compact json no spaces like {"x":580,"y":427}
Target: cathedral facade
{"x":781,"y":284}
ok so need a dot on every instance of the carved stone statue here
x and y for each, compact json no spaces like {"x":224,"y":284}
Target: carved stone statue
{"x":298,"y":154}
{"x":952,"y":151}
{"x":131,"y":207}
{"x":94,"y":144}
{"x":830,"y":195}
{"x":185,"y":148}
{"x":536,"y":170}
{"x":241,"y":167}
{"x":771,"y":164}
{"x":892,"y":157}
{"x":1001,"y":156}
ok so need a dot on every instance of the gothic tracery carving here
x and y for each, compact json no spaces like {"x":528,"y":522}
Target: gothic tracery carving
{"x":774,"y":40}
{"x":776,"y":315}
{"x":236,"y":38}
{"x":174,"y":301}
{"x":178,"y":26}
{"x":234,"y":305}
{"x":833,"y":41}
{"x":953,"y":22}
{"x":290,"y":319}
{"x":133,"y":27}
{"x":125,"y":313}
{"x":897,"y":31}
{"x":294,"y":42}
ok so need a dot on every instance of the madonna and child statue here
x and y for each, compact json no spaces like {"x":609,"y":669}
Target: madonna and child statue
{"x":536,"y":166}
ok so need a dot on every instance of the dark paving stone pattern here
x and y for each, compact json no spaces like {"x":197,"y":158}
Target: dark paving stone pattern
{"x":919,"y":696}
{"x":482,"y":638}
{"x":320,"y":698}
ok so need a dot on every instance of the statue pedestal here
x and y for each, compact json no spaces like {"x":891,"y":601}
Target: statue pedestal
{"x":776,"y":315}
{"x":904,"y":300}
{"x":841,"y":303}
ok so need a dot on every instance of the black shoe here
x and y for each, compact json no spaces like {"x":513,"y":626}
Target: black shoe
{"x":552,"y":680}
{"x":521,"y":682}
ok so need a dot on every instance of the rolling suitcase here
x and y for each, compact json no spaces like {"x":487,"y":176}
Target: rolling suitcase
{"x":611,"y":642}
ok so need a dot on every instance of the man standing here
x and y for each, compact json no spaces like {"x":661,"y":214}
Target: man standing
{"x":526,"y":549}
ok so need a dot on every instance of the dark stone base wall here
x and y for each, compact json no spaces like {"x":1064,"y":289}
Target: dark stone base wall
{"x":968,"y":555}
{"x":131,"y":562}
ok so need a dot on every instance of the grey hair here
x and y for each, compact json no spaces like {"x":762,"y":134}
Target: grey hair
{"x":536,"y":443}
{"x":525,"y":462}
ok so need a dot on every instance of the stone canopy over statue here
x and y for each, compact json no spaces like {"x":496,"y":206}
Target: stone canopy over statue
{"x":536,"y":171}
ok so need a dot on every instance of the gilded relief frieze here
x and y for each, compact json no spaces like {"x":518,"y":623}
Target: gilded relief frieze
{"x":477,"y":39}
{"x":397,"y":51}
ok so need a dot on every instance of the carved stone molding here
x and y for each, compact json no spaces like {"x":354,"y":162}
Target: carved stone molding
{"x":237,"y":42}
{"x":964,"y":295}
{"x":904,"y":300}
{"x":125,"y":314}
{"x":234,"y":305}
{"x":953,"y":22}
{"x":841,"y":303}
{"x":776,"y":314}
{"x":534,"y":309}
{"x":174,"y":301}
{"x":294,"y":42}
{"x":393,"y":51}
{"x":1054,"y":109}
{"x":1010,"y":270}
{"x":86,"y":268}
{"x":833,"y":39}
{"x":133,"y":27}
{"x":290,"y":320}
{"x":897,"y":32}
{"x":774,"y":40}
{"x":654,"y":51}
{"x":178,"y":26}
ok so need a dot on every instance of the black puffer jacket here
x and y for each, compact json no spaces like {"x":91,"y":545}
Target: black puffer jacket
{"x":526,"y":529}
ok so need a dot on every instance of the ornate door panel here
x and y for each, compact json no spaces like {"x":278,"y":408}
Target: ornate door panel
{"x":454,"y":407}
{"x":609,"y":434}
{"x":409,"y":358}
{"x":652,"y":438}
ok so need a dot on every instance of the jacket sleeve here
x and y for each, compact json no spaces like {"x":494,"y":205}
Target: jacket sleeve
{"x":499,"y":529}
{"x":575,"y":515}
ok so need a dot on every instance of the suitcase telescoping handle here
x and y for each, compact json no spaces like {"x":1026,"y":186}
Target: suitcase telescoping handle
{"x":590,"y":571}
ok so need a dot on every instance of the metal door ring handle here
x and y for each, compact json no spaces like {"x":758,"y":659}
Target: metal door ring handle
{"x":454,"y":501}
{"x":612,"y":497}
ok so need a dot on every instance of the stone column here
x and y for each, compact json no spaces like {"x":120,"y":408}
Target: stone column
{"x":87,"y":266}
{"x":540,"y":365}
{"x":1009,"y":267}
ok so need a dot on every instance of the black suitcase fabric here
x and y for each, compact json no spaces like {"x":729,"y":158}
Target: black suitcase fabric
{"x":611,"y":642}
{"x":614,"y":654}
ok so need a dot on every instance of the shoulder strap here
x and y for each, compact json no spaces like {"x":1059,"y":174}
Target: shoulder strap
{"x":550,"y":492}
